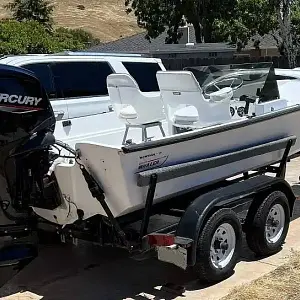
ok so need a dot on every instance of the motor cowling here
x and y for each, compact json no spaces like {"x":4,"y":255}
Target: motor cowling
{"x":27,"y":123}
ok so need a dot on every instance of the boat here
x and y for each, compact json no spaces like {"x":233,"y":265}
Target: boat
{"x":206,"y":171}
{"x":210,"y":149}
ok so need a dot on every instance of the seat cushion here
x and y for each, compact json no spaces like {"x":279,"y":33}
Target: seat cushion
{"x":128,"y":112}
{"x":186,"y":114}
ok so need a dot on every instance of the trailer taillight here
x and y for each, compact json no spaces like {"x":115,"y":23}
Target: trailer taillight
{"x":156,"y":239}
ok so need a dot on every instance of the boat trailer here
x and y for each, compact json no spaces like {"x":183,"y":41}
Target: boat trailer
{"x":208,"y":221}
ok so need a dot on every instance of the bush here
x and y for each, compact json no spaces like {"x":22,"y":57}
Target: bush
{"x":32,"y":37}
{"x":79,"y":35}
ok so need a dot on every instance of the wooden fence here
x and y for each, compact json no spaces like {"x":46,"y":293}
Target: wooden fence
{"x":179,"y":64}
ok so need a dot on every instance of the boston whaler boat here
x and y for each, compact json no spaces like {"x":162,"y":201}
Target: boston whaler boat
{"x":215,"y":135}
{"x":183,"y":167}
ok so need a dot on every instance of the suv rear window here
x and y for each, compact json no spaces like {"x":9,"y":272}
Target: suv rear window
{"x":144,"y":74}
{"x":80,"y":79}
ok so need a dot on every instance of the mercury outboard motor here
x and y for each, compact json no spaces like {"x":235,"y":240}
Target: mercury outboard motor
{"x":27,"y":123}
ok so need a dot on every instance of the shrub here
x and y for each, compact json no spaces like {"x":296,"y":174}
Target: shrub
{"x":32,"y":37}
{"x":80,"y":35}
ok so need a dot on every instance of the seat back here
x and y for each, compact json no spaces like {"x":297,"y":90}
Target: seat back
{"x":120,"y":91}
{"x":180,"y":89}
{"x":124,"y":92}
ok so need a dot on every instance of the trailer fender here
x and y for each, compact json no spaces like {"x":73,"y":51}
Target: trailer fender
{"x":238,"y":193}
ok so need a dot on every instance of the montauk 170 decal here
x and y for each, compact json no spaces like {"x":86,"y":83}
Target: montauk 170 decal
{"x":152,"y":162}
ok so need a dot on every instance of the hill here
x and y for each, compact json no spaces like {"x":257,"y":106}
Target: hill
{"x":105,"y":19}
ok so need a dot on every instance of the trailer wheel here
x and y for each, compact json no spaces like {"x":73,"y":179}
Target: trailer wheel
{"x":218,"y":246}
{"x":268,"y":228}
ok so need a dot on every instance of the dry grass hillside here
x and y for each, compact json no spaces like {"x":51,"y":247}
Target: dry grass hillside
{"x":105,"y":19}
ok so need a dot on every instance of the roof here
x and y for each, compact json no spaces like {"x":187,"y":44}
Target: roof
{"x":138,"y":44}
{"x":266,"y":41}
{"x":135,"y":43}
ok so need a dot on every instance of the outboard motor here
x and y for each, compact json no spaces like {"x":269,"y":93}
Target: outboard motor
{"x":27,"y":123}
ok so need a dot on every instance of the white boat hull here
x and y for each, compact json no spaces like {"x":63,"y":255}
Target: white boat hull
{"x":116,"y":169}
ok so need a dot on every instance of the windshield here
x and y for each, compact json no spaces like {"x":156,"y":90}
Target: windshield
{"x":252,"y":80}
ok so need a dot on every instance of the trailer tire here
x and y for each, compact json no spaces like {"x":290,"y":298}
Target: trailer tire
{"x":266,"y":240}
{"x":222,"y":230}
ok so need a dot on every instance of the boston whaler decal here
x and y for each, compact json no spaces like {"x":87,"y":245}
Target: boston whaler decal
{"x":18,"y":99}
{"x":152,"y":160}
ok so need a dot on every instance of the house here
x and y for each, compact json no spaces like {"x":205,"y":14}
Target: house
{"x":187,"y":46}
{"x":267,"y":46}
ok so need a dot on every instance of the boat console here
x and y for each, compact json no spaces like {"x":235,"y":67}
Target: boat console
{"x":251,"y":83}
{"x":270,"y":106}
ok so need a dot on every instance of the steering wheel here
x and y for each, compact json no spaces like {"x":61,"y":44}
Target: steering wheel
{"x":235,"y":82}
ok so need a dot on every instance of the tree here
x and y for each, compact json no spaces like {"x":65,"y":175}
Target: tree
{"x":213,"y":11}
{"x":288,"y":17}
{"x":156,"y":16}
{"x":35,"y":10}
{"x":235,"y":21}
{"x":280,"y":18}
{"x":32,"y":37}
{"x":252,"y":17}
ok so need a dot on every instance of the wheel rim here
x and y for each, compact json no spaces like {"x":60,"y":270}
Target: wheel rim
{"x":275,"y":224}
{"x":222,"y":246}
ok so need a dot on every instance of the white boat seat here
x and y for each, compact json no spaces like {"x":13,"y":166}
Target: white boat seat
{"x":185,"y":104}
{"x":133,"y":107}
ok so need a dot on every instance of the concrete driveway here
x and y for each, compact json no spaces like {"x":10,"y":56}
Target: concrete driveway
{"x":89,"y":272}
